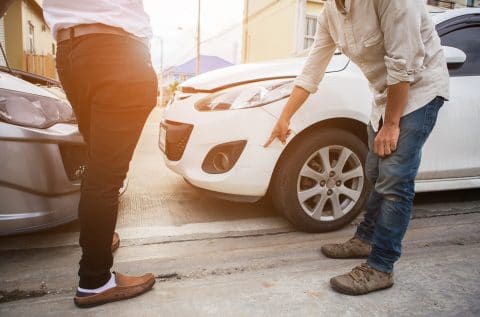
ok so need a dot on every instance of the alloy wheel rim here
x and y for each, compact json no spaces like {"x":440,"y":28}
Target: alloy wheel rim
{"x":330,"y":183}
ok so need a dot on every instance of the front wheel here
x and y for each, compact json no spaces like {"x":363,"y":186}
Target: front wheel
{"x":320,"y":184}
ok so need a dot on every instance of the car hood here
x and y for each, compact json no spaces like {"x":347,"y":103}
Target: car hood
{"x":246,"y":73}
{"x":449,"y":14}
{"x":10,"y":82}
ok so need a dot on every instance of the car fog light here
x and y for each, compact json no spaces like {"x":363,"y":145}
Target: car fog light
{"x":221,"y":162}
{"x":222,"y":158}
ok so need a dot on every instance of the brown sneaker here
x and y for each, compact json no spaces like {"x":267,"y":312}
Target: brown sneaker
{"x":127,"y":287}
{"x":115,"y":242}
{"x":361,"y":280}
{"x":352,"y":249}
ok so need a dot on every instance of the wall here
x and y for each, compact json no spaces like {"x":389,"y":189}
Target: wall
{"x":275,"y":29}
{"x":269,"y":29}
{"x":43,"y":36}
{"x":314,"y":7}
{"x":42,"y":60}
{"x":14,"y":35}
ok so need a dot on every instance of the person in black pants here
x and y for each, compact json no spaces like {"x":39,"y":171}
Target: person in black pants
{"x":112,"y":87}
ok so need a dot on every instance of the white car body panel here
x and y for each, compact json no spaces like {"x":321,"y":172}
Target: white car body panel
{"x":450,"y":14}
{"x":228,"y":126}
{"x":453,"y":148}
{"x":451,"y":156}
{"x":258,"y":71}
{"x":329,"y":103}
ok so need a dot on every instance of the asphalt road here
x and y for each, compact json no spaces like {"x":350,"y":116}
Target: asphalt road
{"x":216,"y":258}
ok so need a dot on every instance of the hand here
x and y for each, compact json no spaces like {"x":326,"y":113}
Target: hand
{"x":280,"y":131}
{"x":386,"y":140}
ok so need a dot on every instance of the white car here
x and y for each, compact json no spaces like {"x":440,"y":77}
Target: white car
{"x":214,"y":129}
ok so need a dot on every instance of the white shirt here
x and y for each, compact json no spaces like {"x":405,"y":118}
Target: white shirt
{"x":391,"y":41}
{"x":126,"y":14}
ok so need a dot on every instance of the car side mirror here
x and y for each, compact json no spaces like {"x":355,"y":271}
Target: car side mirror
{"x":454,"y":55}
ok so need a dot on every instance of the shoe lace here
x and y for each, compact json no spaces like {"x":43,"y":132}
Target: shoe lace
{"x":347,"y":244}
{"x":361,"y":273}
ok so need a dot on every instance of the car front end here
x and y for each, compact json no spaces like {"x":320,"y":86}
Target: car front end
{"x":43,"y":158}
{"x":215,"y":126}
{"x":215,"y":139}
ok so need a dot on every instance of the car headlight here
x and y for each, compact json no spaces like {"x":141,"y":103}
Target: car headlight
{"x":33,"y":110}
{"x":253,"y":95}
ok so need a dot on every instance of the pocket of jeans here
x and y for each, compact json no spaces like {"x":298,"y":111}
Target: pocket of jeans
{"x":431,"y":114}
{"x":143,"y":85}
{"x":131,"y":92}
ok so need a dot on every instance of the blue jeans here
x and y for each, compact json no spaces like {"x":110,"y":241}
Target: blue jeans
{"x":389,"y":206}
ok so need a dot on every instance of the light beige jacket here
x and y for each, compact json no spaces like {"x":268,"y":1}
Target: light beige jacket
{"x":391,"y":41}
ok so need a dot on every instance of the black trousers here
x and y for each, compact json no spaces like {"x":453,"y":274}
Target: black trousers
{"x":110,"y":82}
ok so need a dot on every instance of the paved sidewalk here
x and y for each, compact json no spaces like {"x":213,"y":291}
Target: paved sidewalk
{"x":271,"y":274}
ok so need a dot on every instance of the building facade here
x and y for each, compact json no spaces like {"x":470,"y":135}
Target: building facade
{"x":28,"y":42}
{"x":275,"y":29}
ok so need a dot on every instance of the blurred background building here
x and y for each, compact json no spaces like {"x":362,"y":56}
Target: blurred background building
{"x":278,"y":29}
{"x":174,"y":75}
{"x":27,"y":39}
{"x":186,"y":70}
{"x":275,"y":29}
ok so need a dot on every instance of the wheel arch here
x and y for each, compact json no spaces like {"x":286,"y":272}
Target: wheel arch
{"x":351,"y":125}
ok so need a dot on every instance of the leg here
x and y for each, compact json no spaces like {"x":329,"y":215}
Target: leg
{"x":113,"y":140}
{"x":366,"y":228}
{"x":359,"y":245}
{"x":110,"y":78}
{"x":396,"y":183}
{"x":121,"y":97}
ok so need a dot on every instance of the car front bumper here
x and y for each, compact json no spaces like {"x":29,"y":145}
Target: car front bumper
{"x":250,"y":176}
{"x":40,"y":176}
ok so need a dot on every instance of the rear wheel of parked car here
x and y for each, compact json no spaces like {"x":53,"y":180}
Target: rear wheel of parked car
{"x":320,"y":184}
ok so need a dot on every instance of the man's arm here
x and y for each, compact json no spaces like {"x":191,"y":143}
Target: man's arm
{"x":387,"y":138}
{"x":400,"y":22}
{"x":307,"y":82}
{"x":281,"y":130}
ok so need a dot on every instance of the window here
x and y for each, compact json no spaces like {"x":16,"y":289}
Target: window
{"x":310,"y":28}
{"x":468,"y":40}
{"x":31,"y":38}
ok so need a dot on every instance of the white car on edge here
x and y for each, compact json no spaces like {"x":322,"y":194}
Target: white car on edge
{"x":214,"y":129}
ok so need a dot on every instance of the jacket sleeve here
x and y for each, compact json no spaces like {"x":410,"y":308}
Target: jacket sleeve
{"x":320,"y":54}
{"x":400,"y":22}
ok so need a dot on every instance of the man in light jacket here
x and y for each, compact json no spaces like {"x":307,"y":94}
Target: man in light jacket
{"x":396,"y":46}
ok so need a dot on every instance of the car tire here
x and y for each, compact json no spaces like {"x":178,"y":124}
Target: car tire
{"x":290,"y":185}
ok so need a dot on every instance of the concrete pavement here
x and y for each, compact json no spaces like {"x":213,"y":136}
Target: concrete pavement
{"x":216,"y":258}
{"x":279,"y":274}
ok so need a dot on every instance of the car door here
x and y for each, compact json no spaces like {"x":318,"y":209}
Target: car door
{"x":453,"y":149}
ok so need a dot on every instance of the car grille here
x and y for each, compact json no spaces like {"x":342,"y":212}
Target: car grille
{"x":177,"y":138}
